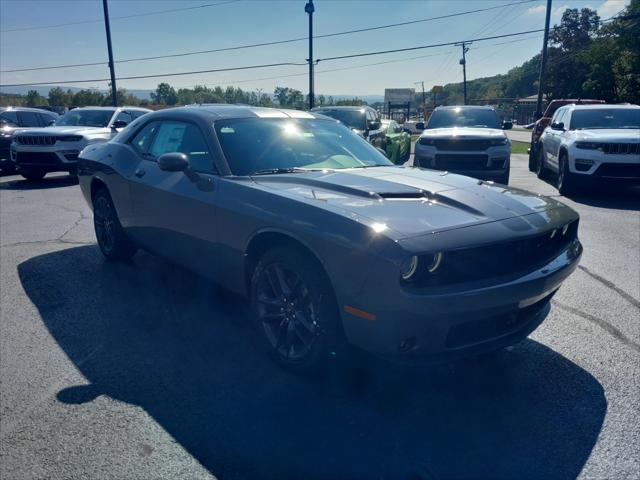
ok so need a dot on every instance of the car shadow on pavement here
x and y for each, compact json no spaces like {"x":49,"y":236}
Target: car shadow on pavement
{"x":19,"y":183}
{"x":615,"y":198}
{"x":153,"y":335}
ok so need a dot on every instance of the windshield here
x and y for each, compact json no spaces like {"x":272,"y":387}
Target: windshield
{"x":351,"y":118}
{"x":258,"y":145}
{"x":464,"y":117}
{"x":85,"y":118}
{"x":605,"y":118}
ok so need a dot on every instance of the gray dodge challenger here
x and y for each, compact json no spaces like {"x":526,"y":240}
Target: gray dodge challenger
{"x":331,"y":242}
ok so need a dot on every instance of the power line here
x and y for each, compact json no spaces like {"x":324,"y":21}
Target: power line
{"x":82,"y":22}
{"x":293,"y":63}
{"x":174,"y":74}
{"x":271,"y":43}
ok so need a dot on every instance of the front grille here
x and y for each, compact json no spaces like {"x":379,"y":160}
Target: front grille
{"x":37,"y":158}
{"x":476,"y":331}
{"x":36,"y":139}
{"x":621,"y":148}
{"x":461,"y":161}
{"x":623,"y":170}
{"x":504,"y":259}
{"x":462,"y":145}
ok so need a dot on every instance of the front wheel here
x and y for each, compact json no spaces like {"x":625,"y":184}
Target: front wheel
{"x":112,"y":239}
{"x":541,"y":169}
{"x":294,"y":309}
{"x":32,"y":174}
{"x":567,"y":183}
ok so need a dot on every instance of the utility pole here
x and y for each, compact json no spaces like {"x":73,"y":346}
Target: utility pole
{"x":463,"y":62}
{"x":424,"y":101}
{"x":310,"y":9}
{"x":114,"y":90}
{"x":543,"y":61}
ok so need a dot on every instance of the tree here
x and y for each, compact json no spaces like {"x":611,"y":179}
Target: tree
{"x":59,"y":98}
{"x":282,"y":94}
{"x":34,"y":99}
{"x":165,"y":94}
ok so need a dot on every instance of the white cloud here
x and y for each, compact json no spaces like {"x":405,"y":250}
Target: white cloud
{"x":610,"y":7}
{"x":536,"y":10}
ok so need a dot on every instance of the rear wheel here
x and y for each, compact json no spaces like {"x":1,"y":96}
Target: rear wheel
{"x":541,"y":169}
{"x":294,"y":309}
{"x":32,"y":174}
{"x":112,"y":239}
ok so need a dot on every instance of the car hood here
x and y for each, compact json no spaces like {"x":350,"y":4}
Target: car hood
{"x":75,"y":130}
{"x":463,"y":133}
{"x":609,"y":134}
{"x":408,"y":201}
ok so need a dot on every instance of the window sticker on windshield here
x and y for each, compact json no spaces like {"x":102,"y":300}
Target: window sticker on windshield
{"x":227,"y":130}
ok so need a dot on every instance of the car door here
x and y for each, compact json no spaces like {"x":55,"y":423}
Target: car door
{"x":175,"y":212}
{"x":555,"y":139}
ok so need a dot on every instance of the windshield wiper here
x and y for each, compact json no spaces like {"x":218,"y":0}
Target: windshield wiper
{"x":275,"y":171}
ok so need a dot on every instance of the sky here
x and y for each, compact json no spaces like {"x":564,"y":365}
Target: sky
{"x":227,"y":23}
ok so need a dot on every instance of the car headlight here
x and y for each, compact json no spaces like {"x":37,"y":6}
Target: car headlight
{"x":499,"y":141}
{"x":416,"y":266}
{"x":426,"y":141}
{"x":409,"y":267}
{"x":588,"y":145}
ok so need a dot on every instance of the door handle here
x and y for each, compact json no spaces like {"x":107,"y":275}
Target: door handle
{"x":139,"y":173}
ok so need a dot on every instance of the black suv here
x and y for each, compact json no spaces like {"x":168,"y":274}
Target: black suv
{"x":12,"y":118}
{"x":365,"y":121}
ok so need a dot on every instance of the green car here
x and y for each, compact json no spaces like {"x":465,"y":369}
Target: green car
{"x":396,"y":143}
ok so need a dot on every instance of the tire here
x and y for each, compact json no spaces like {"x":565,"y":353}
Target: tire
{"x":541,"y":170}
{"x":32,"y":174}
{"x":532,"y":158}
{"x":567,"y":182}
{"x":503,"y":179}
{"x":112,"y":239}
{"x":294,"y":309}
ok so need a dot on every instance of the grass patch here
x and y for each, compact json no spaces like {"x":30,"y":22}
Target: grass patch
{"x":519,"y":147}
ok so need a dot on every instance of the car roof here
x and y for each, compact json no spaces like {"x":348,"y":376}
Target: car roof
{"x":340,"y":107}
{"x":24,"y":109}
{"x":227,"y":111}
{"x":466,"y":107}
{"x":601,"y":106}
{"x":111,"y":108}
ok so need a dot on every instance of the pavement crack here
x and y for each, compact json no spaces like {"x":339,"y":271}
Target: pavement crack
{"x":601,"y":323}
{"x":611,"y":285}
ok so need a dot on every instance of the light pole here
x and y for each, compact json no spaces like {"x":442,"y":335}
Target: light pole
{"x":310,"y":9}
{"x":463,"y":62}
{"x":543,"y":61}
{"x":424,"y":101}
{"x":114,"y":90}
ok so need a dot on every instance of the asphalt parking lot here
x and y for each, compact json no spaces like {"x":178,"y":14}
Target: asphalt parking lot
{"x":142,"y":370}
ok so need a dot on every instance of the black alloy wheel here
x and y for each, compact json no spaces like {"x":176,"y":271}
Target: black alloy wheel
{"x":112,"y":239}
{"x":32,"y":174}
{"x":293,"y":309}
{"x":541,"y":170}
{"x":566,"y":180}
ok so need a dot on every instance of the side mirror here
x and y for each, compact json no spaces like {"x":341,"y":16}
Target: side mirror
{"x":557,"y":126}
{"x":374,"y":125}
{"x":507,"y":125}
{"x":51,"y":123}
{"x":119,"y":124}
{"x":173,"y":162}
{"x":420,"y":126}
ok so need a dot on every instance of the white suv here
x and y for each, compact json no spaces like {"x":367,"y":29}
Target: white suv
{"x":588,"y":143}
{"x":37,"y":152}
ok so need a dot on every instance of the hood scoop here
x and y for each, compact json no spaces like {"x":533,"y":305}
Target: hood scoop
{"x":408,"y":195}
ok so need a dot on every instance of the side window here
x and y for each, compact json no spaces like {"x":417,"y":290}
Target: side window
{"x":28,"y":119}
{"x":142,"y":140}
{"x":559,"y":116}
{"x":124,"y":116}
{"x":45,"y":119}
{"x":567,"y":120}
{"x":9,"y":117}
{"x":137,"y":113}
{"x":184,"y":138}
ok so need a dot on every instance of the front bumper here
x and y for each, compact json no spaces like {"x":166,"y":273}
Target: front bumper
{"x":490,"y":164}
{"x":50,"y":159}
{"x":453,"y":322}
{"x":599,"y":166}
